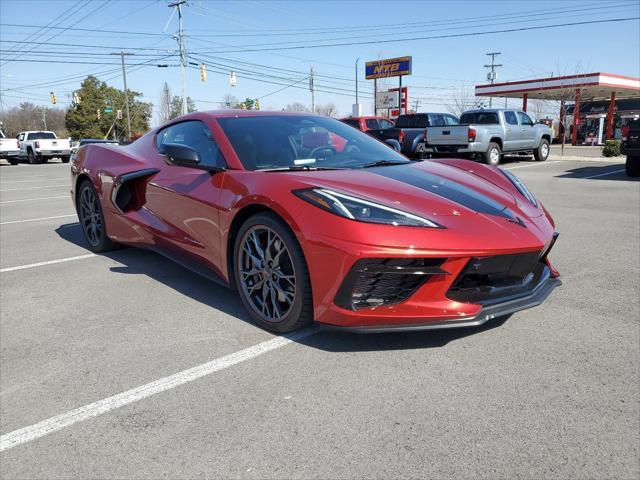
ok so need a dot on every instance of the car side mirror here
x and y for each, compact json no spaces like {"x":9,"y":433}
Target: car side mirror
{"x":182,"y":155}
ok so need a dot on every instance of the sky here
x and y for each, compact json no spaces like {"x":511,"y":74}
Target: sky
{"x":272,"y":45}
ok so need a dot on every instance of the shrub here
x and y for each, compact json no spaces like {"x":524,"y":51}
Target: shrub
{"x":611,"y":148}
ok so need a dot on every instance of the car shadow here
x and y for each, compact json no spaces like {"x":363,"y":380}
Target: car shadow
{"x":601,"y":172}
{"x":137,"y":261}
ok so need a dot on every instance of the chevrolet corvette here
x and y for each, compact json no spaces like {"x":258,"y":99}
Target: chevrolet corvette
{"x":311,"y":220}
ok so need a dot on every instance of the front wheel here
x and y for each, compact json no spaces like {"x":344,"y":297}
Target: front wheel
{"x":65,"y":159}
{"x":542,"y":152}
{"x":632,"y":166}
{"x":92,"y":219}
{"x":13,"y":161}
{"x":493,"y":154}
{"x":271,"y":274}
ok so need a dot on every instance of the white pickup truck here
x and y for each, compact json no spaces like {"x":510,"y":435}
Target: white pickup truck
{"x":9,"y":149}
{"x":40,"y":146}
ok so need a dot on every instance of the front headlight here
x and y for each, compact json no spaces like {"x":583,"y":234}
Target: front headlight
{"x":521,"y":187}
{"x":361,"y":210}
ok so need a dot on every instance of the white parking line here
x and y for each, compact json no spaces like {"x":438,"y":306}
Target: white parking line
{"x":7,"y":181}
{"x":54,"y":424}
{"x":34,"y":188}
{"x":33,"y":199}
{"x":537,"y":164}
{"x":37,"y":219}
{"x":604,"y":174}
{"x":49,"y":262}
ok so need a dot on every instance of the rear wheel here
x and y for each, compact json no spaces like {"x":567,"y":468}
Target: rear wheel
{"x":13,"y":161}
{"x":44,"y":159}
{"x":65,"y":159}
{"x":632,"y":166}
{"x":92,"y":219}
{"x":32,"y":158}
{"x":271,"y":274}
{"x":493,"y":154}
{"x":542,"y":152}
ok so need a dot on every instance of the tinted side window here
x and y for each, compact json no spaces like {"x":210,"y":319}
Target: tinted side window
{"x":196,"y":135}
{"x":353,"y":122}
{"x":510,"y":118}
{"x":371,"y":123}
{"x":406,"y":121}
{"x":479,"y":118}
{"x":524,"y":119}
{"x":385,"y":124}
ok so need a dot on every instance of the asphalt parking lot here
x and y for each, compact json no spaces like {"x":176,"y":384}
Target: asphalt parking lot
{"x":552,"y":392}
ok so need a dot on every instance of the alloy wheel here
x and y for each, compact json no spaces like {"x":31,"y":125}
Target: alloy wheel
{"x":91,"y":216}
{"x":267,"y":276}
{"x":544,"y":150}
{"x":494,"y":156}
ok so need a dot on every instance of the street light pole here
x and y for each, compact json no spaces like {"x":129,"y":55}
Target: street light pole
{"x":357,"y":60}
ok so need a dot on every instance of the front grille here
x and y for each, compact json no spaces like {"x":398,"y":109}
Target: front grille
{"x":498,"y":277}
{"x":374,"y":282}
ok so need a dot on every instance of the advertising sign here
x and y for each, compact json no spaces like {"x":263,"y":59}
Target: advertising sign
{"x":387,"y":100}
{"x":391,"y":67}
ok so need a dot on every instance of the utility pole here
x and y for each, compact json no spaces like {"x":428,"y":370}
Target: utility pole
{"x":122,"y":53}
{"x":417,"y":104}
{"x":183,"y":63}
{"x":357,"y":60}
{"x":44,"y":117}
{"x":492,"y":75}
{"x":312,"y":87}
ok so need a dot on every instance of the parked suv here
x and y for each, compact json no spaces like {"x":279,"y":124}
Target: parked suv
{"x":489,"y":134}
{"x":40,"y":146}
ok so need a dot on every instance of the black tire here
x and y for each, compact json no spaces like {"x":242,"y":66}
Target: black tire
{"x":541,"y":153}
{"x":299,"y":312}
{"x":493,"y":155}
{"x":44,"y":159}
{"x":13,"y":161}
{"x":65,"y":159}
{"x":98,"y":241}
{"x":632,"y":166}
{"x":32,"y":158}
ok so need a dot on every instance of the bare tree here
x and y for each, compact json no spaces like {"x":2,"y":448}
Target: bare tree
{"x":461,"y":100}
{"x":296,"y":107}
{"x":28,"y":116}
{"x":230,"y":101}
{"x":165,"y":103}
{"x":328,"y":109}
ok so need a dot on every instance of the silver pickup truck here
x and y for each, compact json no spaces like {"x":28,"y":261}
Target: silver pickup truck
{"x":489,"y":134}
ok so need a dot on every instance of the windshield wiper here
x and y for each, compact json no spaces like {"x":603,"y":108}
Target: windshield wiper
{"x":383,"y":163}
{"x":297,"y":168}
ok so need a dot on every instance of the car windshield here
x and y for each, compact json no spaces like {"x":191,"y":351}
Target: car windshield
{"x":42,"y":136}
{"x":479,"y":118}
{"x":303,"y":141}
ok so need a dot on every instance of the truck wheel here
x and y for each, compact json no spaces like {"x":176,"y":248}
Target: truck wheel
{"x":65,"y":159}
{"x":13,"y":161}
{"x":493,"y":154}
{"x":632,"y":166}
{"x":44,"y":159}
{"x":32,"y":158}
{"x":542,"y":152}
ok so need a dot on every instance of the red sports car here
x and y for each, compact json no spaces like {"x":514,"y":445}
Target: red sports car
{"x":356,"y":237}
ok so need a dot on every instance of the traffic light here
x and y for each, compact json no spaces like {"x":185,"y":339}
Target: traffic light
{"x":119,"y":114}
{"x":54,"y":100}
{"x":99,"y":114}
{"x":256,"y":104}
{"x":203,"y":72}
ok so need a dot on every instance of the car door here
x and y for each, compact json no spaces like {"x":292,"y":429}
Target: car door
{"x":186,"y":200}
{"x":512,"y":134}
{"x":527,"y":132}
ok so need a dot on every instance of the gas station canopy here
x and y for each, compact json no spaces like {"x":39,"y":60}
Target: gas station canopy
{"x":592,"y":86}
{"x":579,"y":88}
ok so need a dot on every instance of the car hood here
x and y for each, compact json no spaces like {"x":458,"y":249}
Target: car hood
{"x":429,"y":189}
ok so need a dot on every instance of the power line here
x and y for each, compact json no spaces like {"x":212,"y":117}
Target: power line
{"x":433,"y":37}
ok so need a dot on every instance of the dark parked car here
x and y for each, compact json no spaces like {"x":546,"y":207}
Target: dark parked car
{"x":409,"y":131}
{"x":631,"y":147}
